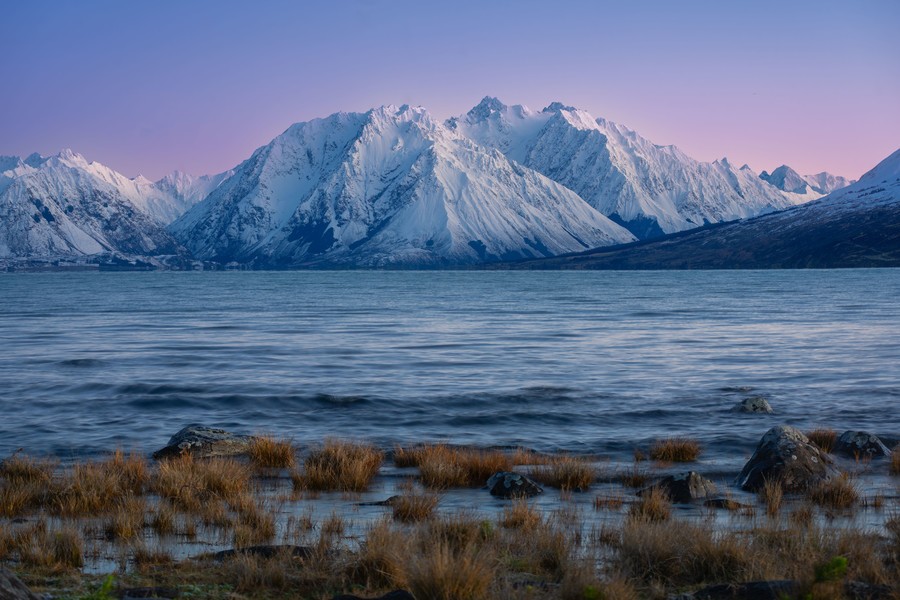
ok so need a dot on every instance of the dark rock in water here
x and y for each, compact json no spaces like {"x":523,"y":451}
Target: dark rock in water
{"x":860,"y":444}
{"x":158,"y":593}
{"x":507,"y":484}
{"x":302,"y":552}
{"x":860,"y":590}
{"x":395,"y":595}
{"x":755,"y":405}
{"x":787,"y":455}
{"x":12,"y":588}
{"x":203,"y":442}
{"x":754,"y":590}
{"x":388,"y":502}
{"x":684,"y":487}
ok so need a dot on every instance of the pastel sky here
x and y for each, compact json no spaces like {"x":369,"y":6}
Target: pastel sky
{"x":152,"y":86}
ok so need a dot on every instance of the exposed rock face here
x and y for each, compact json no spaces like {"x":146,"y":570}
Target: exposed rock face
{"x":684,"y":487}
{"x":12,"y":588}
{"x":507,"y":484}
{"x":756,"y":404}
{"x":787,"y":455}
{"x":860,"y":444}
{"x":203,"y":442}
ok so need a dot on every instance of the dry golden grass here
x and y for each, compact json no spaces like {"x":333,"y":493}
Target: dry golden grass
{"x":838,"y":493}
{"x":609,"y":502}
{"x":381,"y":558}
{"x":406,"y":457}
{"x":270,"y":453}
{"x":675,"y":450}
{"x":340,"y":466}
{"x":772,"y":495}
{"x":566,"y":472}
{"x":653,"y":506}
{"x":802,"y":516}
{"x":21,"y":469}
{"x":191,"y":484}
{"x":823,"y":438}
{"x":441,"y":572}
{"x":164,"y":519}
{"x":145,"y":558}
{"x":520,"y":515}
{"x":410,"y":508}
{"x":127,"y":519}
{"x":635,"y":477}
{"x":442,"y":466}
{"x":57,"y":549}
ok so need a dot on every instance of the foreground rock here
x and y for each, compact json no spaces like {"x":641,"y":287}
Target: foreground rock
{"x":12,"y":588}
{"x":785,"y":454}
{"x":507,"y":484}
{"x":684,"y":487}
{"x":204,"y":442}
{"x":755,"y":405}
{"x":264,"y":551}
{"x":754,"y":590}
{"x":860,"y":444}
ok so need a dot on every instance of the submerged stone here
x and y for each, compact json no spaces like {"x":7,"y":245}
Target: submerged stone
{"x":12,"y":588}
{"x":786,"y":455}
{"x":860,"y":444}
{"x":506,"y":484}
{"x":684,"y":487}
{"x":754,"y":405}
{"x":203,"y":442}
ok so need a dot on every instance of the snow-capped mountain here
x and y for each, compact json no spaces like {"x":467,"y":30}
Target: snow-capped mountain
{"x":855,"y":226}
{"x":809,"y":187}
{"x":174,"y":194}
{"x":387,"y":187}
{"x":64,"y":205}
{"x":650,"y":189}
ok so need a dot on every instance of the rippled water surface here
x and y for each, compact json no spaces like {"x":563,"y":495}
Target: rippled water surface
{"x":583,"y":361}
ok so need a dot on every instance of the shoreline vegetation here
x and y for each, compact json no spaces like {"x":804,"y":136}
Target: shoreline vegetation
{"x":218,"y":515}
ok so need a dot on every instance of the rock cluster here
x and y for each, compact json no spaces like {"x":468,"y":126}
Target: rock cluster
{"x":786,"y":455}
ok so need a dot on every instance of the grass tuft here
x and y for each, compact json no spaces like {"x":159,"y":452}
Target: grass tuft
{"x":823,"y":438}
{"x":410,"y":508}
{"x":341,"y":466}
{"x":443,"y":467}
{"x":444,"y":573}
{"x":653,"y":506}
{"x":520,"y":515}
{"x":838,"y":493}
{"x":566,"y":473}
{"x":772,"y":495}
{"x":270,"y":453}
{"x":675,"y":450}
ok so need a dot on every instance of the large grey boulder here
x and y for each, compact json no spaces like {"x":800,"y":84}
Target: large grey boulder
{"x":786,"y":455}
{"x":506,"y":484}
{"x":860,"y":444}
{"x":754,"y":405}
{"x":12,"y":588}
{"x":204,"y":442}
{"x":684,"y":487}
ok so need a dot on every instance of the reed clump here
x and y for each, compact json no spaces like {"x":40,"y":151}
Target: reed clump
{"x":441,"y":572}
{"x":838,"y":493}
{"x":339,"y":466}
{"x":58,"y":549}
{"x":442,"y":466}
{"x":675,"y":449}
{"x":520,"y":515}
{"x":772,"y":496}
{"x":127,"y":520}
{"x":823,"y":438}
{"x":192,"y":484}
{"x":271,"y":453}
{"x":653,"y":506}
{"x":566,"y":473}
{"x":21,"y":469}
{"x":609,"y":502}
{"x":410,"y":508}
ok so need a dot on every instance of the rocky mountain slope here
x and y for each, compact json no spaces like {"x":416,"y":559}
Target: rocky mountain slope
{"x":806,"y":187}
{"x":392,"y":186}
{"x":652,"y":190}
{"x":856,"y":226}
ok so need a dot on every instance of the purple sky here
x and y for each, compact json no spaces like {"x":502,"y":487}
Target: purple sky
{"x":148,"y":87}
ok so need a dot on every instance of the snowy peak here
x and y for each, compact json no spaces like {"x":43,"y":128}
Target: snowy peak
{"x":650,"y":189}
{"x":392,"y":186}
{"x":810,"y":186}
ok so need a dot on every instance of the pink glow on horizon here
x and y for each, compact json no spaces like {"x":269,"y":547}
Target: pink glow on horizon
{"x":152,"y":87}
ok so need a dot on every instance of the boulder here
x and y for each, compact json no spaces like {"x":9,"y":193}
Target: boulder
{"x":755,"y":405}
{"x":506,"y":484}
{"x":785,"y":454}
{"x":684,"y":487}
{"x":263,"y":551}
{"x":753,"y":590}
{"x":12,"y":588}
{"x":204,"y":442}
{"x":860,"y":444}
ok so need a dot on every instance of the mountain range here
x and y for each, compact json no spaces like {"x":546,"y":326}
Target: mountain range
{"x":395,"y":187}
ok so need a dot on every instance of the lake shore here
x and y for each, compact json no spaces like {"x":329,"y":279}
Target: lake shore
{"x":260,"y":517}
